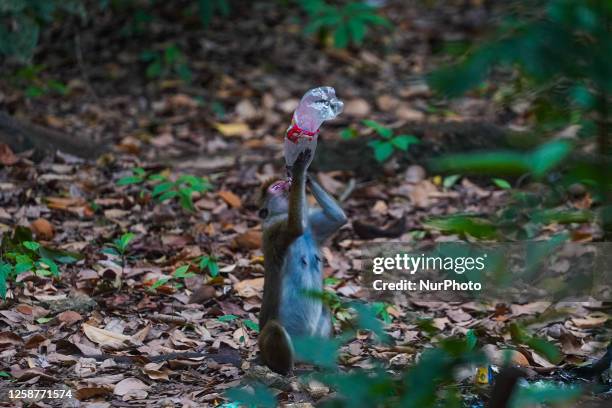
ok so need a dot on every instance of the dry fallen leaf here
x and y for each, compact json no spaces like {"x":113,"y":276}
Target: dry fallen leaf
{"x":357,"y":107}
{"x":202,"y":294}
{"x":86,"y":393}
{"x":458,"y":315}
{"x":43,"y":229}
{"x":500,"y":356}
{"x":233,"y":129}
{"x":131,"y":387}
{"x":85,"y":367}
{"x":105,"y":338}
{"x":593,"y":320}
{"x":230,"y":198}
{"x":529,"y":308}
{"x":9,"y":339}
{"x":69,"y":317}
{"x":7,"y":157}
{"x":249,"y":240}
{"x":156,"y":371}
{"x":249,"y":287}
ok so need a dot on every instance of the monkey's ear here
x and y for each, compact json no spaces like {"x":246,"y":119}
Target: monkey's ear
{"x":263,"y":213}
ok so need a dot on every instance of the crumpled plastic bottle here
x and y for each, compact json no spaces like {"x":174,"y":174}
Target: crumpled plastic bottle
{"x":317,"y":106}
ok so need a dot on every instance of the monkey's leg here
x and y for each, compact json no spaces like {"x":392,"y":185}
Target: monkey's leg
{"x":276,"y":348}
{"x":324,"y":326}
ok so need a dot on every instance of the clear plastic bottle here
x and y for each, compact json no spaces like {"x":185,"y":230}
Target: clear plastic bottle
{"x":317,"y":105}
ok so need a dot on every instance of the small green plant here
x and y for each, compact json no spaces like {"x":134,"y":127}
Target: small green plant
{"x":347,"y":23}
{"x":501,"y":183}
{"x":119,"y":247}
{"x":29,"y":79}
{"x":349,"y":133}
{"x":167,"y":62}
{"x":388,"y":142}
{"x":181,"y":273}
{"x":381,"y":311}
{"x":209,"y":262}
{"x":22,"y":20}
{"x":19,"y":253}
{"x":209,"y":8}
{"x":163,"y":188}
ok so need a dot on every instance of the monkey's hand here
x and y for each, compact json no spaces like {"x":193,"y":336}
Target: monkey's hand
{"x":302,"y":161}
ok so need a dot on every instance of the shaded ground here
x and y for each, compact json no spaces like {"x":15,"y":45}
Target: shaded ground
{"x":227,"y":125}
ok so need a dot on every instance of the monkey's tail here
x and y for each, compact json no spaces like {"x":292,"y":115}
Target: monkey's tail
{"x":276,"y":347}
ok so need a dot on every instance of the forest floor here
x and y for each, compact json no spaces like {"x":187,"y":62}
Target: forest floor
{"x":227,"y":125}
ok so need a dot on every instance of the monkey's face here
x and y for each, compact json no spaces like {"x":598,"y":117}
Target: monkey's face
{"x":277,"y":199}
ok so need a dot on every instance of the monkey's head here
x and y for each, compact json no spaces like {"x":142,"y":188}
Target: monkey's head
{"x":274,"y":198}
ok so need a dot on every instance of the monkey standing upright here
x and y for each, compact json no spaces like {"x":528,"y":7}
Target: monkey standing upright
{"x":292,"y":234}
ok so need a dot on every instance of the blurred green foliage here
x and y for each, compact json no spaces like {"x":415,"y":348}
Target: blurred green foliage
{"x":430,"y":382}
{"x":163,"y":188}
{"x":168,"y":61}
{"x":388,"y":143}
{"x":347,"y":23}
{"x":22,"y":20}
{"x":31,"y":79}
{"x":19,"y":253}
{"x":558,"y":57}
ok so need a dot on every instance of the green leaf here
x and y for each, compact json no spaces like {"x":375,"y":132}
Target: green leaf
{"x":383,"y":131}
{"x":348,"y":133}
{"x":382,"y":150}
{"x":157,"y":177}
{"x":154,"y":69}
{"x":463,"y":224}
{"x":43,"y":320}
{"x":563,"y":216}
{"x":357,"y":30}
{"x":52,"y":266}
{"x":501,"y":183}
{"x":492,"y":163}
{"x":186,"y":200}
{"x":181,"y":272}
{"x":23,"y":264}
{"x":471,"y":339}
{"x":124,"y":181}
{"x":125,"y":240}
{"x":331,"y":281}
{"x":162,"y":188}
{"x":184,"y":72}
{"x":167,"y":196}
{"x":227,"y":318}
{"x":34,"y":92}
{"x":31,"y":245}
{"x":158,"y":283}
{"x":59,"y":255}
{"x":110,"y":251}
{"x":545,"y":348}
{"x":402,"y":142}
{"x":341,"y":36}
{"x":5,"y":272}
{"x":252,"y":325}
{"x":548,"y":156}
{"x":450,"y":181}
{"x":376,"y":19}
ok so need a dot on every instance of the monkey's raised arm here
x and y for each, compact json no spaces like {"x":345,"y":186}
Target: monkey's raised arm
{"x":330,"y":217}
{"x":296,"y":220}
